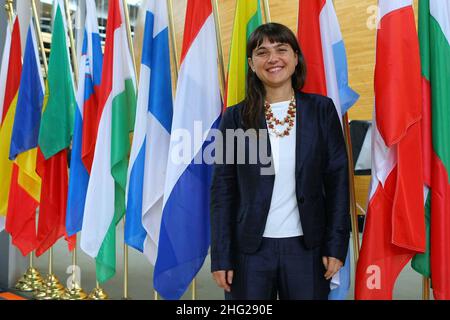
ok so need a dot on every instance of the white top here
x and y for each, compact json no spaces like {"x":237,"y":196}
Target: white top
{"x":283,"y":220}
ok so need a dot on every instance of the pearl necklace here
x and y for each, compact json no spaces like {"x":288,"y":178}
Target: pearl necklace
{"x":289,"y":119}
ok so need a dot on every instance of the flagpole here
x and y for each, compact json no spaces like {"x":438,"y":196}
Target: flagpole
{"x":131,"y":48}
{"x":267,"y":10}
{"x":125,"y":267}
{"x":353,"y":209}
{"x":130,"y":40}
{"x":9,"y":10}
{"x":173,"y":38}
{"x":426,"y":288}
{"x":194,"y":289}
{"x":72,"y":44}
{"x":37,"y":27}
{"x":219,"y":46}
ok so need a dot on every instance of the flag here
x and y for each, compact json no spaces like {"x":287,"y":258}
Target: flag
{"x":322,"y":45}
{"x":89,"y":76}
{"x":434,"y":35}
{"x":149,"y":153}
{"x":138,"y":34}
{"x":360,"y":135}
{"x":421,"y":261}
{"x":24,"y":12}
{"x":80,"y":28}
{"x":4,"y":68}
{"x":3,"y":75}
{"x":185,"y":227}
{"x":395,"y":225}
{"x":54,"y":139}
{"x":105,"y":197}
{"x":246,"y":19}
{"x":25,"y":191}
{"x":13,"y":65}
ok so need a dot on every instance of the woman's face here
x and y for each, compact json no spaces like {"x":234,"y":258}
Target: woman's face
{"x":274,"y":63}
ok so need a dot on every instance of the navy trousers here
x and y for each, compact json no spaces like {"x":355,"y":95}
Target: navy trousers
{"x":281,"y":268}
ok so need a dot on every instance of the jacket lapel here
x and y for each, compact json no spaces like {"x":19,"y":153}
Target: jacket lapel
{"x":264,"y":134}
{"x":302,"y":139}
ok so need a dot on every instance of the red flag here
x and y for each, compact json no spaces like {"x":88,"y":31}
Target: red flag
{"x":308,"y":34}
{"x":14,"y":70}
{"x":395,"y":223}
{"x":52,"y":218}
{"x":21,"y":219}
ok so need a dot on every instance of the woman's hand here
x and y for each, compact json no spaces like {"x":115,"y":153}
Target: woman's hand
{"x":223,"y":279}
{"x":332,"y":265}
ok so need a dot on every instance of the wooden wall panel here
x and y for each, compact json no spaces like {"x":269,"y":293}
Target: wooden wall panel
{"x":355,"y":18}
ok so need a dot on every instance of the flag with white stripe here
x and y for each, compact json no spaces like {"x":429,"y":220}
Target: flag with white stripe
{"x":149,"y":152}
{"x":105,"y":198}
{"x":185,"y":228}
{"x":322,"y":45}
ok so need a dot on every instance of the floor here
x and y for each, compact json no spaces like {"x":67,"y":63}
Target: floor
{"x":408,"y":286}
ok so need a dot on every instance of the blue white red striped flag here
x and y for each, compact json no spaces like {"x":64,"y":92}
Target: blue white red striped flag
{"x":185,"y":227}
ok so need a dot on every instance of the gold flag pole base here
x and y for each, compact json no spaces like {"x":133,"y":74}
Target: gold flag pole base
{"x":75,"y":293}
{"x":23,"y":286}
{"x":30,"y":281}
{"x":98,"y":294}
{"x":426,"y":288}
{"x":52,"y":289}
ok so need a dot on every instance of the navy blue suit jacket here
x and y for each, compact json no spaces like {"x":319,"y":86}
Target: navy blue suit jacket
{"x":241,"y":196}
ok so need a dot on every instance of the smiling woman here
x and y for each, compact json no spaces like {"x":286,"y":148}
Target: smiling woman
{"x":283,"y":234}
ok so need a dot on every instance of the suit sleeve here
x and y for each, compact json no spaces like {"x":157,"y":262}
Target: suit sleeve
{"x":223,"y":204}
{"x":336,"y":182}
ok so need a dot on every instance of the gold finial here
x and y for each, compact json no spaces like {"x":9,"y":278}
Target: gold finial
{"x":9,"y":9}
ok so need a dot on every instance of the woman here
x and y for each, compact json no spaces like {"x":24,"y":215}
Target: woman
{"x":283,"y":234}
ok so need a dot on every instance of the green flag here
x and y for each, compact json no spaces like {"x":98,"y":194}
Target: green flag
{"x":434,"y":34}
{"x":54,"y":139}
{"x":58,"y":117}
